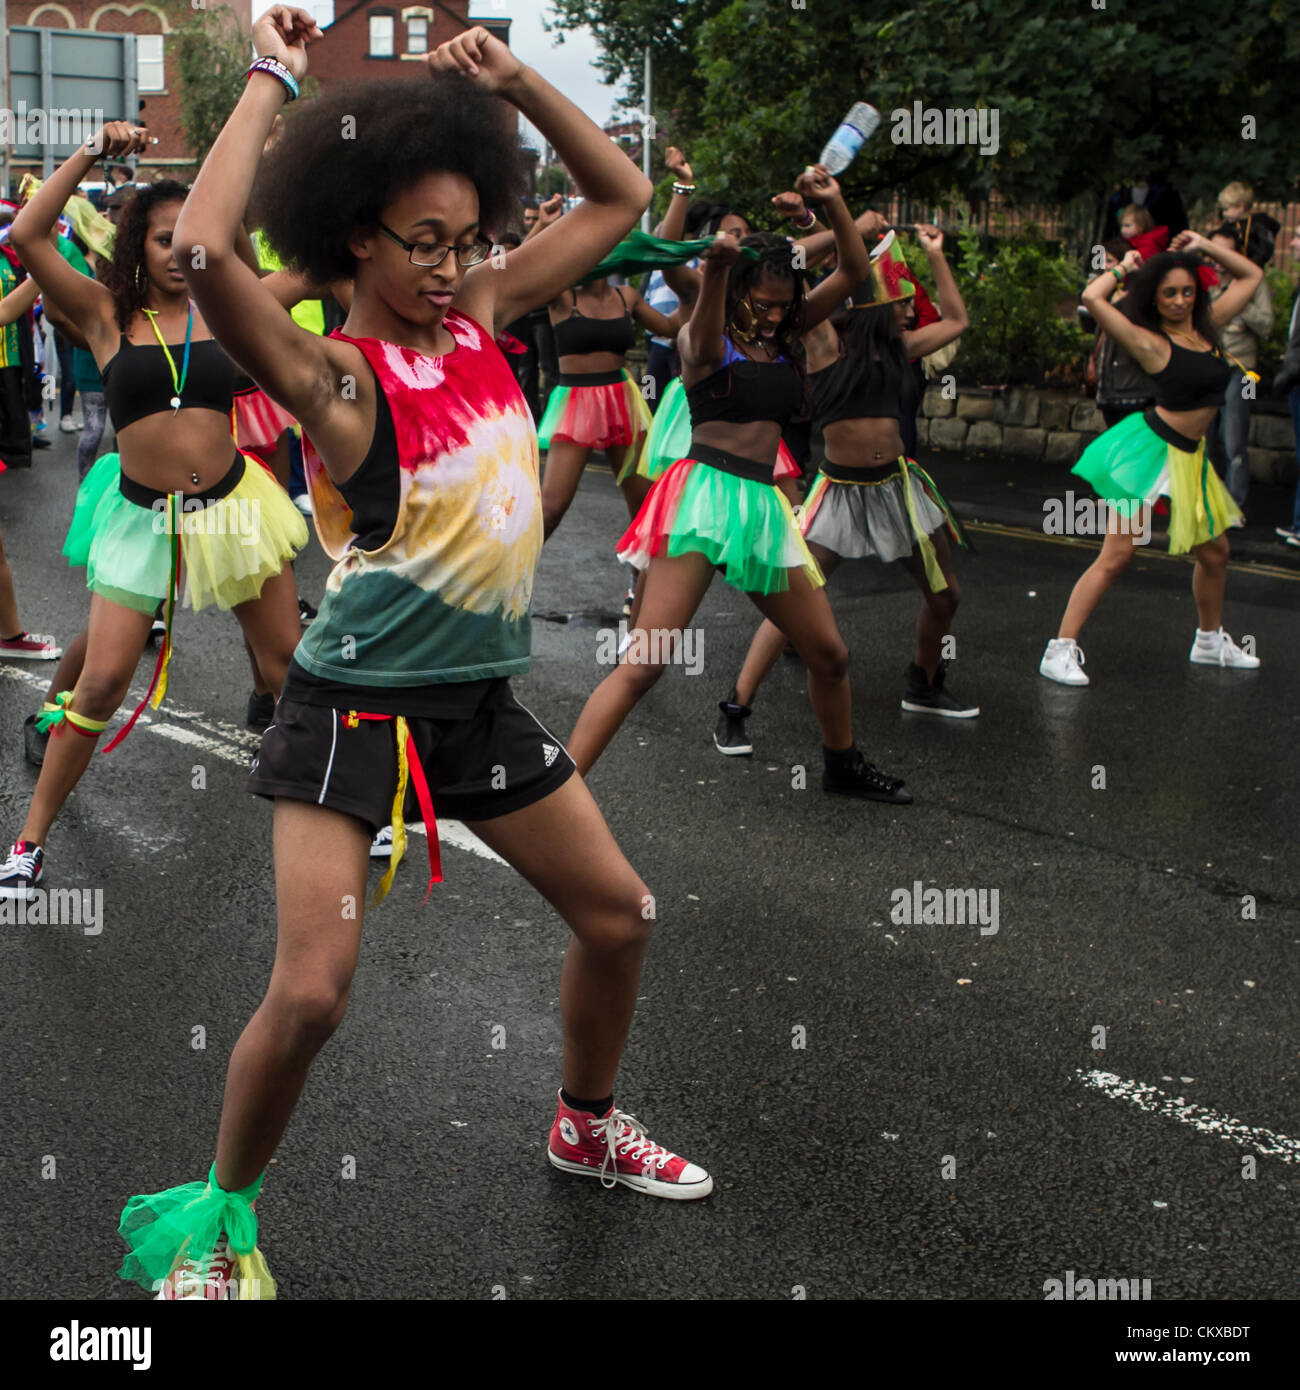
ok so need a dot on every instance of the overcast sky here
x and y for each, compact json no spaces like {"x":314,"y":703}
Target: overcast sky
{"x":568,"y":66}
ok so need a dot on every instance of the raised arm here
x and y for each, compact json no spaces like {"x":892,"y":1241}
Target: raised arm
{"x":702,"y":342}
{"x":935,"y":335}
{"x":548,"y":214}
{"x":614,"y":190}
{"x":79,"y":298}
{"x":1147,"y":349}
{"x":662,"y":325}
{"x":1245,"y":275}
{"x":673,"y":227}
{"x":242,"y":309}
{"x":854,"y":264}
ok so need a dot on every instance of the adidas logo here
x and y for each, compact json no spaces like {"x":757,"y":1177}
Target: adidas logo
{"x":550,"y":752}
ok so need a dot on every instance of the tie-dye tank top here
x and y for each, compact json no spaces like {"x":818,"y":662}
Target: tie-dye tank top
{"x":446,"y":597}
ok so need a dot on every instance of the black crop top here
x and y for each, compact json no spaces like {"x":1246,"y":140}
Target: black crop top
{"x":743,"y":390}
{"x":578,"y":334}
{"x":854,"y":389}
{"x":138,"y":381}
{"x":1191,"y":380}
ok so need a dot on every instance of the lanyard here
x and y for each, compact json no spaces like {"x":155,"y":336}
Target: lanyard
{"x":178,"y":383}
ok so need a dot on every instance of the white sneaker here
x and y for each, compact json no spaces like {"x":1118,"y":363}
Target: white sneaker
{"x":381,"y":847}
{"x":1063,"y":662}
{"x":69,"y":426}
{"x":1218,"y":649}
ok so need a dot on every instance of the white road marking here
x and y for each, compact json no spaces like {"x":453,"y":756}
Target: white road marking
{"x":235,"y":745}
{"x":1156,"y":1102}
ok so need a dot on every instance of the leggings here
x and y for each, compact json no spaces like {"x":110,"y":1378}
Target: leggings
{"x":95,"y":413}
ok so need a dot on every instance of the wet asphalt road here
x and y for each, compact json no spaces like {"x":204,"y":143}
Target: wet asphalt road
{"x":935,"y":1136}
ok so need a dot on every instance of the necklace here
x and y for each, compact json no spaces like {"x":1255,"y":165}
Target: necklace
{"x":1187,"y":337}
{"x":178,"y":382}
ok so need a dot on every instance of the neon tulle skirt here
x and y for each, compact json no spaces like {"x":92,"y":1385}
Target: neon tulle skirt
{"x":232,"y":539}
{"x":741,"y":524}
{"x":162,"y":1229}
{"x":879,"y":513}
{"x":259,"y":422}
{"x":670,"y":438}
{"x":1143,"y":458}
{"x":603,"y":410}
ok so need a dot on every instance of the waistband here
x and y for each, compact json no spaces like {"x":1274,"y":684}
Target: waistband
{"x":1166,"y":431}
{"x":734,"y":464}
{"x":613,"y":378}
{"x":873,"y":475}
{"x":146,"y":496}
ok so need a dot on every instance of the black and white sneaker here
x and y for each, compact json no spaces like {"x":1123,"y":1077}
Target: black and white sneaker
{"x":929,"y":697}
{"x":22,"y":871}
{"x":860,"y":778}
{"x":381,"y":847}
{"x":306,"y":613}
{"x":158,"y":628}
{"x":34,"y":741}
{"x":730,"y":736}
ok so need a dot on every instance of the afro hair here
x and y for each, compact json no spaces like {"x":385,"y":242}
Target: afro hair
{"x":343,"y":158}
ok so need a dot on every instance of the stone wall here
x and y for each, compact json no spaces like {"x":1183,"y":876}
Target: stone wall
{"x":1053,"y":428}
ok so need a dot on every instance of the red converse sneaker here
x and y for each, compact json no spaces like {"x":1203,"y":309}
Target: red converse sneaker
{"x":201,"y":1278}
{"x":616,"y":1149}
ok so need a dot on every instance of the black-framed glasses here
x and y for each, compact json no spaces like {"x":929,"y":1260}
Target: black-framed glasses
{"x":428,"y":254}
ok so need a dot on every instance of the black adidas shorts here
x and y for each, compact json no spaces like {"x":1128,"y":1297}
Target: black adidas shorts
{"x":500,"y":760}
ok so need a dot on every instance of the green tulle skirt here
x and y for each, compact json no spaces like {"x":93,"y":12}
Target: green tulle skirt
{"x":229,"y":547}
{"x":1130,"y":465}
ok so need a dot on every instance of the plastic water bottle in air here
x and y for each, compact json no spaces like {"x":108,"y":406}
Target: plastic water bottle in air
{"x":854,"y":132}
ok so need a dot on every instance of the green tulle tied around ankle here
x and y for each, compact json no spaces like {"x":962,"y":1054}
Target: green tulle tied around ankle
{"x":164,"y":1228}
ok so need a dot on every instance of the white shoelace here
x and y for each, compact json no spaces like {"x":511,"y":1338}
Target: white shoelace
{"x":626,"y":1135}
{"x":19,"y":864}
{"x":197,"y":1274}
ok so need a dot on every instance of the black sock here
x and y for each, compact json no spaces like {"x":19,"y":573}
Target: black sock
{"x":840,"y":758}
{"x":597,"y":1107}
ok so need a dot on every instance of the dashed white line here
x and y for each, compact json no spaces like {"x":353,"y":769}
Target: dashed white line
{"x":1157,"y":1102}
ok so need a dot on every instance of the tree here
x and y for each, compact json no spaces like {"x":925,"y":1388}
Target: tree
{"x":1085,"y":95}
{"x":211,"y":54}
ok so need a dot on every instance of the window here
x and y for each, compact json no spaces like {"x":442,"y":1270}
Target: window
{"x":149,"y":62}
{"x":381,"y":36}
{"x":417,"y":35}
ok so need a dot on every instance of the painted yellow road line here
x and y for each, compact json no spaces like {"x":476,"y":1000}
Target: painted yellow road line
{"x":1029,"y":533}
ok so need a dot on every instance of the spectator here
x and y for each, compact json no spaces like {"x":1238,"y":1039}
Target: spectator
{"x":17,"y":295}
{"x":1255,"y":232}
{"x":1122,"y":386}
{"x":1288,"y":381}
{"x":1239,"y":339}
{"x":1154,"y":194}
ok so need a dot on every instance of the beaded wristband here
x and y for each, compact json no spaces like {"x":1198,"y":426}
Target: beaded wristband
{"x":683,"y":188}
{"x":273,"y":67}
{"x":809,"y":217}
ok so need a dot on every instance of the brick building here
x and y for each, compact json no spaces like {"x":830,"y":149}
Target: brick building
{"x":156,"y":83}
{"x":364,"y":40}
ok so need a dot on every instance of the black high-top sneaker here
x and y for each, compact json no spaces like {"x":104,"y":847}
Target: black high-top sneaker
{"x":850,"y":774}
{"x":929,"y":697}
{"x":730,"y":736}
